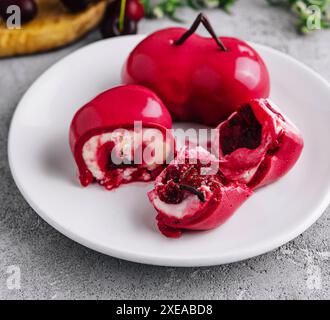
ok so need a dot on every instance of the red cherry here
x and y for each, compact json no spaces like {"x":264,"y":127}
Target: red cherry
{"x":77,"y":5}
{"x":199,"y":79}
{"x":109,"y":26}
{"x":28,"y":9}
{"x":134,"y":10}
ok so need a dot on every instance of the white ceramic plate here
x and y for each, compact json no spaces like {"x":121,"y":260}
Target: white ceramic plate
{"x":121,"y":223}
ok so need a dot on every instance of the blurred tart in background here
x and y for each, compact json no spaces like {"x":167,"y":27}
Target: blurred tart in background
{"x":53,"y":27}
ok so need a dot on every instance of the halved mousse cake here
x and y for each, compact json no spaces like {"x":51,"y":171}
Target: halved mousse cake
{"x":255,"y":146}
{"x":122,"y":135}
{"x":192,"y":193}
{"x":258,"y":144}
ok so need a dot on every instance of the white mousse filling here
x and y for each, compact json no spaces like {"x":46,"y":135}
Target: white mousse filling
{"x":155,"y":151}
{"x":187,"y":206}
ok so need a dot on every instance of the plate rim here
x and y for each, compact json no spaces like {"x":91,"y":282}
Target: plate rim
{"x":244,"y":254}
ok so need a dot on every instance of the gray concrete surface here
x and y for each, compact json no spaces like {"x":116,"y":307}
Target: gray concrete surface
{"x":54,"y":267}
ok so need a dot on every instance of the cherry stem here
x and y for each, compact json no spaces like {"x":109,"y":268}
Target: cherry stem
{"x":122,"y":15}
{"x":201,"y":19}
{"x":193,"y":190}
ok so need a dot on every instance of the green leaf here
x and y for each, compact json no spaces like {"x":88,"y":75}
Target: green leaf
{"x":307,"y":12}
{"x":169,"y":7}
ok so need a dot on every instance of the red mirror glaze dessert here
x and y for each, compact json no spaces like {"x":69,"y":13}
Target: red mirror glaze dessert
{"x":192,"y":194}
{"x":199,"y":79}
{"x":123,"y":135}
{"x":257,"y":144}
{"x":106,"y":146}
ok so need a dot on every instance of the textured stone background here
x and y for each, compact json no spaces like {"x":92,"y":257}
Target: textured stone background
{"x":54,"y":267}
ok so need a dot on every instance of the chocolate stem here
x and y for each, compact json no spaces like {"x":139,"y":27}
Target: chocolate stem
{"x":205,"y":22}
{"x":193,"y":190}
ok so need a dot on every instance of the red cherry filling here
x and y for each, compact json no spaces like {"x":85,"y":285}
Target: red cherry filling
{"x":103,"y":155}
{"x":257,"y":144}
{"x":124,"y":156}
{"x":182,"y":180}
{"x":241,"y":131}
{"x":170,"y":192}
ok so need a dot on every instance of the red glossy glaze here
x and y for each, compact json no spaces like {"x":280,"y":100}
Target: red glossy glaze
{"x":280,"y":146}
{"x":116,"y":108}
{"x":214,"y":213}
{"x":197,"y":80}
